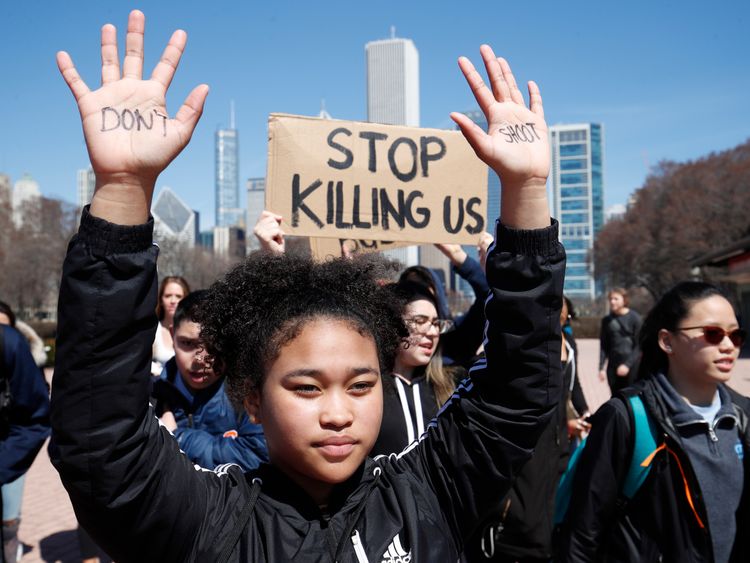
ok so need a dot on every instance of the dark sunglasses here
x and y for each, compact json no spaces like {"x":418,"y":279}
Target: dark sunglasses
{"x":715,"y":334}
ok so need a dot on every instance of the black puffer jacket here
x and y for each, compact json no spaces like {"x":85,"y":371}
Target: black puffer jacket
{"x":666,"y":519}
{"x":141,"y":500}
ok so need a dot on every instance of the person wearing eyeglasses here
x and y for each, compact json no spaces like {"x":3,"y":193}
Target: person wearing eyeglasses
{"x":693,"y":503}
{"x":420,"y":383}
{"x":459,"y":345}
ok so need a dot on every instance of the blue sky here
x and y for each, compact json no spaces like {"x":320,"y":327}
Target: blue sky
{"x":668,"y":79}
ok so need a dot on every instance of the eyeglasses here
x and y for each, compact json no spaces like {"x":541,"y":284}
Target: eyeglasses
{"x":423,"y":323}
{"x":715,"y":334}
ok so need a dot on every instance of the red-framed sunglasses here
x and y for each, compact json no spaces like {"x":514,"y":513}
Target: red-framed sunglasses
{"x":715,"y":334}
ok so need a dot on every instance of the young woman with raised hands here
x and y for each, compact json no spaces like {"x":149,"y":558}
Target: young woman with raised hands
{"x":303,"y":347}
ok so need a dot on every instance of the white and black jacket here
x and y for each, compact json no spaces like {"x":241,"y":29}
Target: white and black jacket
{"x":142,"y":500}
{"x":408,"y":407}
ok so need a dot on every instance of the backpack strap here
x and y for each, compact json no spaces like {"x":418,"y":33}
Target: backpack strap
{"x":644,"y":445}
{"x":643,"y":433}
{"x":565,"y":485}
{"x":241,"y":523}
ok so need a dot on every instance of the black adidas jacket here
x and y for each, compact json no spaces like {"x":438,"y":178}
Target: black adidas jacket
{"x":666,"y":520}
{"x":142,"y":500}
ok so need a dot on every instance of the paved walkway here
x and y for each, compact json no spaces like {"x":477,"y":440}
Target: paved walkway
{"x":597,"y":391}
{"x":48,"y":527}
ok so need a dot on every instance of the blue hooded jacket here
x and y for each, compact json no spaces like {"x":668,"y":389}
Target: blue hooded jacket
{"x":209,"y":430}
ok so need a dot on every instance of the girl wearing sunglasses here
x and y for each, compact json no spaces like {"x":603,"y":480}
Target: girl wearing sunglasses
{"x":693,"y":503}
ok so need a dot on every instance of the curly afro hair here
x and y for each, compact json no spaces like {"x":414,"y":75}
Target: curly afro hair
{"x":265,"y":302}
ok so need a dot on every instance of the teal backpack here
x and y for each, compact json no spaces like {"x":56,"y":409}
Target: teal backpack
{"x":644,"y":444}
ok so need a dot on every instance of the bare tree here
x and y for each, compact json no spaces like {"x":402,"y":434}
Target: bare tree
{"x":32,"y":254}
{"x":682,"y":211}
{"x":197,"y":265}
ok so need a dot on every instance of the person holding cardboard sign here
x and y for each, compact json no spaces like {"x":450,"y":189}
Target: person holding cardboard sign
{"x":303,"y":345}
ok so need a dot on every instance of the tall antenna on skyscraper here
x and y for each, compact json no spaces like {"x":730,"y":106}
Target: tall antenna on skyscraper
{"x":393,"y":32}
{"x":231,"y":114}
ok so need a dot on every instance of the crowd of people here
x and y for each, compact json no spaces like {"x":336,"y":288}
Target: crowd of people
{"x":302,"y":410}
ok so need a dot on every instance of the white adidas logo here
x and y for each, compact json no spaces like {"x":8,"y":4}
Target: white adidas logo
{"x":396,"y":553}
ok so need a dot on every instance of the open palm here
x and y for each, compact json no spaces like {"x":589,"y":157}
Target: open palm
{"x":125,"y":122}
{"x":515,"y":144}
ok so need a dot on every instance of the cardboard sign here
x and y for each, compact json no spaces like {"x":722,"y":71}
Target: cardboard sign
{"x":327,"y":248}
{"x":366,"y":181}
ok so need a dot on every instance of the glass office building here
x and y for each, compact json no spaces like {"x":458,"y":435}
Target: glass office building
{"x":227,"y":180}
{"x":577,"y":176}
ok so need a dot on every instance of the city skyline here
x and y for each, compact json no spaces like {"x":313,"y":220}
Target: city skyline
{"x":667,"y":86}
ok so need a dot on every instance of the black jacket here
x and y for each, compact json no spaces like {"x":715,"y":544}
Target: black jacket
{"x":618,"y":341}
{"x":522,"y":525}
{"x":143,"y":501}
{"x":658,"y":523}
{"x":402,"y":423}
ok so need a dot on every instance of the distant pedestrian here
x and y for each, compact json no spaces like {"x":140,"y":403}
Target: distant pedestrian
{"x":618,"y":342}
{"x":171,"y":291}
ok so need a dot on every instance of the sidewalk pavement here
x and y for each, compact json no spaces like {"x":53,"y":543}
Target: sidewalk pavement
{"x":48,"y":526}
{"x":597,"y":391}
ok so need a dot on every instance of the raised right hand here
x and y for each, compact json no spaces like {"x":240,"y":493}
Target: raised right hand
{"x":129,"y":136}
{"x":515,"y":144}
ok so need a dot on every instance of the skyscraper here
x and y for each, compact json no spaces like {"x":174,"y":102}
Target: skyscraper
{"x":26,"y":199}
{"x":393,"y":81}
{"x":173,"y":218}
{"x":393,"y":98}
{"x":86,"y":184}
{"x":229,"y":241}
{"x":227,"y":181}
{"x":578,"y":199}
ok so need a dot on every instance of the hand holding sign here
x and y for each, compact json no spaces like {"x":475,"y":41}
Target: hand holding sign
{"x":129,"y":137}
{"x":269,"y":233}
{"x":515,"y":145}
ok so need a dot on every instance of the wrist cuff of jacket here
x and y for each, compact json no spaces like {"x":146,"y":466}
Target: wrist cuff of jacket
{"x":108,"y":238}
{"x":541,"y":242}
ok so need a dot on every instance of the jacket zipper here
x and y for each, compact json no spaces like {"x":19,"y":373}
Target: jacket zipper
{"x":711,"y":433}
{"x":359,"y":549}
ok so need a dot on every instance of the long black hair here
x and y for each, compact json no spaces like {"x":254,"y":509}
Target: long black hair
{"x":667,"y":314}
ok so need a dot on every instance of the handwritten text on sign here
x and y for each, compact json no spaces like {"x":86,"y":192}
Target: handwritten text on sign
{"x":347,"y":179}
